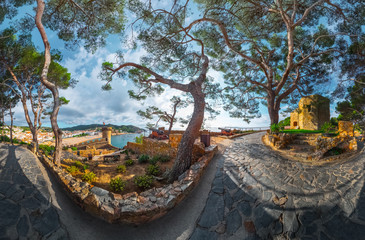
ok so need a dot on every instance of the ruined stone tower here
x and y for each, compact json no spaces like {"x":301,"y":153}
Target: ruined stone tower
{"x":107,"y":133}
{"x":313,"y":111}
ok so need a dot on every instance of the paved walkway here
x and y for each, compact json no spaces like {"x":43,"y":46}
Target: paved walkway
{"x":257,"y":194}
{"x":26,"y":211}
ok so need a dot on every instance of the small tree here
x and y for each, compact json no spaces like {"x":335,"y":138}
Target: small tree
{"x":169,"y":118}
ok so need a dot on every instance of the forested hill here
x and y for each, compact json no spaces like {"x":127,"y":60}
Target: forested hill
{"x":124,"y":128}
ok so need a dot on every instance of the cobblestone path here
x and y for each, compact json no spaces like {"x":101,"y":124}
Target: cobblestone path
{"x":257,"y":194}
{"x":26,"y":211}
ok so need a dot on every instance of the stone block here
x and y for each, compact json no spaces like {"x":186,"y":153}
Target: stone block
{"x":346,"y":128}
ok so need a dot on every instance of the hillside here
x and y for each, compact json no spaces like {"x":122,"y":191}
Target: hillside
{"x":124,"y":128}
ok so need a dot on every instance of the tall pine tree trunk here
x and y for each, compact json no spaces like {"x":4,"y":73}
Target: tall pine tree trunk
{"x":52,"y":87}
{"x":185,"y":149}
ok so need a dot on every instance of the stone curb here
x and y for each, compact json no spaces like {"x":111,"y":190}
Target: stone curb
{"x":131,"y":207}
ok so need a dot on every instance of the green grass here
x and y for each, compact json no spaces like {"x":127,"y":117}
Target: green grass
{"x":298,"y":131}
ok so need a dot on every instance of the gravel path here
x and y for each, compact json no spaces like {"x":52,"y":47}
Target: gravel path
{"x":256,"y":194}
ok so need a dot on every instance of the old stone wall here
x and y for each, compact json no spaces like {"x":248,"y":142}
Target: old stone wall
{"x":346,"y":128}
{"x":131,"y":207}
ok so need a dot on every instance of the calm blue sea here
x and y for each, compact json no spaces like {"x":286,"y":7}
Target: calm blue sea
{"x":121,"y":140}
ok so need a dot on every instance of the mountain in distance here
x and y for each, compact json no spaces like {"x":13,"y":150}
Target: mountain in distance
{"x":123,"y":128}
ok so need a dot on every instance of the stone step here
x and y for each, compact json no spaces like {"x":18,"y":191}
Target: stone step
{"x":299,"y":148}
{"x":300,"y":142}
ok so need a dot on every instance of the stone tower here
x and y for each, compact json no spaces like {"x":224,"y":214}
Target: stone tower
{"x":107,"y":133}
{"x":313,"y":111}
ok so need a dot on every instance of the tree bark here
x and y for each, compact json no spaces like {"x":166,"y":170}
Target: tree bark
{"x":185,"y":149}
{"x":11,"y":125}
{"x":273,"y":111}
{"x":52,"y":87}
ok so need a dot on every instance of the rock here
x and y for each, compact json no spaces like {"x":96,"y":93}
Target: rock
{"x":290,"y":221}
{"x":9,"y":213}
{"x":46,"y":223}
{"x":200,"y":234}
{"x":234,"y":222}
{"x":22,"y":227}
{"x":99,"y":191}
{"x":280,"y":201}
{"x":249,"y":226}
{"x":213,"y":212}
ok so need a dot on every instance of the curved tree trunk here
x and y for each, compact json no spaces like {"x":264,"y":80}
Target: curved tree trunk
{"x":184,"y":153}
{"x":52,"y":87}
{"x":11,"y":125}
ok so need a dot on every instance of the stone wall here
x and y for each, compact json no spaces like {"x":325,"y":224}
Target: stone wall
{"x":132,"y":207}
{"x":152,"y":147}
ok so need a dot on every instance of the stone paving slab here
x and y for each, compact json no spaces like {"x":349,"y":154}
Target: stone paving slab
{"x":26,"y":210}
{"x":266,"y":196}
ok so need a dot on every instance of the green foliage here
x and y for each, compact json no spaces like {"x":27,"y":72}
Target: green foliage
{"x":117,"y":184}
{"x":275,"y":128}
{"x":73,"y":170}
{"x":144,"y":181}
{"x":86,"y":166}
{"x":154,"y":160}
{"x":299,"y":131}
{"x":127,"y":157}
{"x":4,"y":138}
{"x":143,"y":159}
{"x":163,"y":158}
{"x":74,"y":148}
{"x":139,"y":139}
{"x":334,"y":122}
{"x":285,"y":122}
{"x":79,"y":164}
{"x":153,"y":170}
{"x":89,"y":177}
{"x":46,"y":149}
{"x":81,"y":135}
{"x":129,"y":162}
{"x":121,"y":168}
{"x":326,"y":127}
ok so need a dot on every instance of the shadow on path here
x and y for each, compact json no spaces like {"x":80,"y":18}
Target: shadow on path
{"x":25,"y":204}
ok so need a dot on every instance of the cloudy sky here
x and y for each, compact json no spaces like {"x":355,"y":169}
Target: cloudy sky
{"x":89,"y":104}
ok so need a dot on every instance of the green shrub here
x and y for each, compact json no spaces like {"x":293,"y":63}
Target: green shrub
{"x":15,"y":140}
{"x":117,"y":184}
{"x":46,"y":149}
{"x":154,"y":160}
{"x":73,"y":170}
{"x":79,"y":164}
{"x":326,"y":127}
{"x":89,"y":177}
{"x":121,"y":168}
{"x":23,"y":143}
{"x":74,"y":148}
{"x":126,"y":152}
{"x":275,"y":128}
{"x":153,"y":170}
{"x":144,"y":181}
{"x":127,"y":157}
{"x":164,"y":158}
{"x":129,"y":162}
{"x":285,"y":122}
{"x":4,"y":138}
{"x":139,"y":139}
{"x":143,"y":158}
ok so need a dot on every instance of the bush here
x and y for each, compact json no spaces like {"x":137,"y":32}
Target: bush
{"x":139,"y":139}
{"x":127,"y":157}
{"x":153,"y":170}
{"x":126,"y":152}
{"x":79,"y":164}
{"x":164,"y":158}
{"x":326,"y":127}
{"x":47,"y":150}
{"x":154,"y":160}
{"x":121,"y":168}
{"x":89,"y":177}
{"x":275,"y":128}
{"x":4,"y":138}
{"x":129,"y":162}
{"x":73,"y":170}
{"x":86,"y":167}
{"x":117,"y":184}
{"x":143,"y":158}
{"x":144,"y":181}
{"x":74,"y":148}
{"x":285,"y":122}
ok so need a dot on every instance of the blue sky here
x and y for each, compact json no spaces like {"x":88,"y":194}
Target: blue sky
{"x":89,"y":104}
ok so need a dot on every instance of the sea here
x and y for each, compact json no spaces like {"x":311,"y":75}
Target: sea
{"x":121,"y":140}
